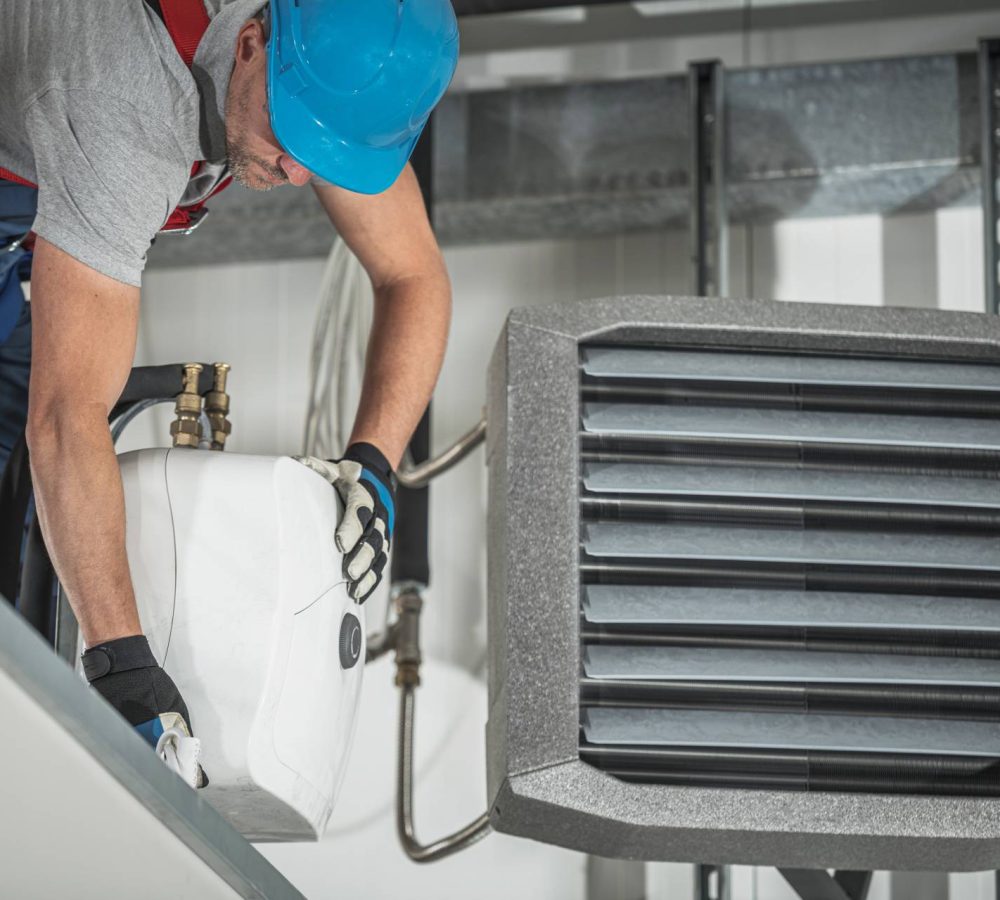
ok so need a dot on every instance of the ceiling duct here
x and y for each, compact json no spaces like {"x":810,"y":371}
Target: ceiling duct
{"x":622,"y":20}
{"x":582,"y":160}
{"x":745,"y":583}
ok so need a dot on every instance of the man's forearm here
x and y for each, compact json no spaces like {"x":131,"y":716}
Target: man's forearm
{"x":78,"y":494}
{"x":405,"y":352}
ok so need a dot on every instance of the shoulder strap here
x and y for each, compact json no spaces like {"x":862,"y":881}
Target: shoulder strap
{"x":186,"y":21}
{"x":7,"y":175}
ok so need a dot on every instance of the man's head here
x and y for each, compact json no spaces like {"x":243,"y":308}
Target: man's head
{"x":339,"y":88}
{"x":256,"y":159}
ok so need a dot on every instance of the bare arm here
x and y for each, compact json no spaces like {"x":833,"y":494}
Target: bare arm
{"x":390,"y":235}
{"x":83,"y":340}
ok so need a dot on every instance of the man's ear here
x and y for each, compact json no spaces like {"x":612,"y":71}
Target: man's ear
{"x":250,"y":44}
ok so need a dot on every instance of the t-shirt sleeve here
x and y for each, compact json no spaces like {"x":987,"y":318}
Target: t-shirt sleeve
{"x":108,"y":176}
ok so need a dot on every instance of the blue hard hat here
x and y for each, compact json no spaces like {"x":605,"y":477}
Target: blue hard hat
{"x":352,"y":82}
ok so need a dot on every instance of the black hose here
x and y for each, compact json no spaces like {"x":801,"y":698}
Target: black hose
{"x":152,"y":382}
{"x":15,"y":499}
{"x":36,"y":601}
{"x":410,"y":553}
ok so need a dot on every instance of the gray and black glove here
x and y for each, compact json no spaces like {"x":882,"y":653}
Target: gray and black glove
{"x":366,"y":484}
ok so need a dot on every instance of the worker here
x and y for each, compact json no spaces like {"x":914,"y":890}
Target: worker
{"x":118,"y":120}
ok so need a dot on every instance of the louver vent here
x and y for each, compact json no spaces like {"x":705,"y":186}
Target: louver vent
{"x":790,"y":571}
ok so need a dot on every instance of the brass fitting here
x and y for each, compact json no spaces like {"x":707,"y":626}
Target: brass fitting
{"x":186,"y":428}
{"x":408,"y":658}
{"x":217,"y":407}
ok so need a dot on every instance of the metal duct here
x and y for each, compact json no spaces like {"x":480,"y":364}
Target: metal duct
{"x":745,"y":583}
{"x":576,"y":160}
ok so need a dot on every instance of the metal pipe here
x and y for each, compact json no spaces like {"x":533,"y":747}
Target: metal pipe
{"x":380,"y":642}
{"x":460,"y":840}
{"x":709,"y":220}
{"x":989,"y":105}
{"x":408,"y":658}
{"x":421,"y":475}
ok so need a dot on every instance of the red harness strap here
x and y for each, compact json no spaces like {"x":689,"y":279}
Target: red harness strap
{"x":186,"y":217}
{"x":7,"y":175}
{"x":186,"y":21}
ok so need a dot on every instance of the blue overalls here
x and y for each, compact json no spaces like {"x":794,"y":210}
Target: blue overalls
{"x":17,"y":212}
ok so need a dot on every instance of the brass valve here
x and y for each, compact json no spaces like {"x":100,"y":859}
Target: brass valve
{"x":217,"y":407}
{"x":186,"y":428}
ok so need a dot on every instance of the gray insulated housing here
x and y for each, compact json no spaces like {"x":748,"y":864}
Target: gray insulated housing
{"x":744,"y":583}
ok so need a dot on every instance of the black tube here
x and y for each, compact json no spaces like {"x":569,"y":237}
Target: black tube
{"x":152,"y":382}
{"x":410,"y":556}
{"x":36,"y":601}
{"x":15,"y":498}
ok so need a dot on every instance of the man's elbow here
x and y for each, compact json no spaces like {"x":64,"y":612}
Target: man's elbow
{"x":429,"y":283}
{"x":57,"y":426}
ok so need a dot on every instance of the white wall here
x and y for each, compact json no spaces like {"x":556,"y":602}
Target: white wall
{"x":259,"y":318}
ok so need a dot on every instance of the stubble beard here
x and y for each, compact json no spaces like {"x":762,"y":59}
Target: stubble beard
{"x":242,"y":161}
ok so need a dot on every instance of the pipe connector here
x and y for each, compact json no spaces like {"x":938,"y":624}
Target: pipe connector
{"x":408,"y":603}
{"x":217,"y":407}
{"x":186,"y":427}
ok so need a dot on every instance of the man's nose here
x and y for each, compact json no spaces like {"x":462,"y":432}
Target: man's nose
{"x":297,"y":174}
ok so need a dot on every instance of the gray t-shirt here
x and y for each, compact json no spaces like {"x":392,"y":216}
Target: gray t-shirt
{"x":100,"y":111}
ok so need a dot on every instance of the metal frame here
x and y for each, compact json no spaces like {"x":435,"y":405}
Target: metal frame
{"x":128,"y":759}
{"x":989,"y":106}
{"x":709,"y":217}
{"x":818,"y":884}
{"x":711,"y":882}
{"x":537,"y":785}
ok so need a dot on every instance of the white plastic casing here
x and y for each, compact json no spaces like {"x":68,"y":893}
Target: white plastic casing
{"x":240,"y":592}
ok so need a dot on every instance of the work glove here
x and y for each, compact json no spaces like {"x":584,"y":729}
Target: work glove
{"x":366,"y":484}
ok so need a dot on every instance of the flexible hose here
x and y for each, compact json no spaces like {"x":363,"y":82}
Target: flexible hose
{"x":463,"y":838}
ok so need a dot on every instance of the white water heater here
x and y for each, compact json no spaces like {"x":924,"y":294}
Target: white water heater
{"x":241,"y":595}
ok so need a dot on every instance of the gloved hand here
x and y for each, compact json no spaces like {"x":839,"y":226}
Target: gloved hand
{"x":367,"y":485}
